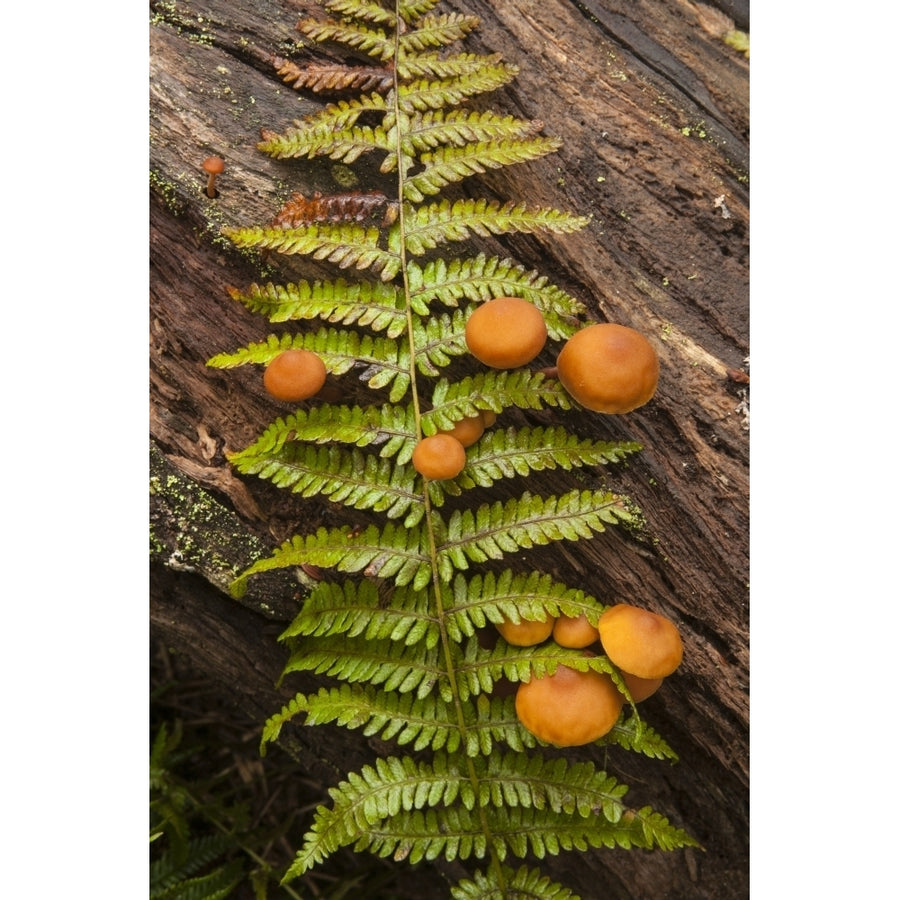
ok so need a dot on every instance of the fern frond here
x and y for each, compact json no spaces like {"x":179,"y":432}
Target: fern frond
{"x":393,"y":428}
{"x":346,"y":145}
{"x":493,"y":598}
{"x":424,"y":722}
{"x":506,"y":454}
{"x":423,"y":93}
{"x":392,"y":552}
{"x":429,"y":226}
{"x":344,"y":244}
{"x":437,"y":31}
{"x":428,"y":130}
{"x":402,"y":640}
{"x":167,"y":874}
{"x":372,"y":41}
{"x":437,"y":65}
{"x":376,"y":794}
{"x":215,"y":885}
{"x":386,"y":362}
{"x":459,"y":833}
{"x":481,"y":278}
{"x":350,"y":477}
{"x":411,"y":10}
{"x":495,"y":530}
{"x":337,"y":77}
{"x":524,"y":884}
{"x":360,"y":610}
{"x":315,"y":135}
{"x":634,"y":734}
{"x":517,"y":779}
{"x":367,"y":10}
{"x":437,"y":340}
{"x":350,"y":206}
{"x":447,"y":165}
{"x":375,"y":305}
{"x":382,"y":662}
{"x":452,"y":401}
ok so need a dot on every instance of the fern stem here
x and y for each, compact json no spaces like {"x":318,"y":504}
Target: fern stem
{"x":446,"y":644}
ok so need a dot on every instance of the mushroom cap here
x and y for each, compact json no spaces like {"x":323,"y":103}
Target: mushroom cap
{"x":569,"y":708}
{"x":640,"y":642}
{"x":506,"y":332}
{"x":609,"y":368}
{"x":574,"y":631}
{"x":439,"y":456}
{"x":294,"y":375}
{"x":641,"y":688}
{"x":214,"y":165}
{"x":467,"y":431}
{"x":526,"y":633}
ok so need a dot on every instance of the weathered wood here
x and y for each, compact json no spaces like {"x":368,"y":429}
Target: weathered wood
{"x":653,"y":108}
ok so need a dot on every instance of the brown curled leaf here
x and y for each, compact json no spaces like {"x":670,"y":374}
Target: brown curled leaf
{"x":335,"y":77}
{"x":353,"y":206}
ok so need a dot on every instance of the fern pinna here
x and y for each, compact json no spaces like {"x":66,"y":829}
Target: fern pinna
{"x":401,"y":634}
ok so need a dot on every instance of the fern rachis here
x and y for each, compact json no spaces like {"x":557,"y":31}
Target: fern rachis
{"x":401,"y":635}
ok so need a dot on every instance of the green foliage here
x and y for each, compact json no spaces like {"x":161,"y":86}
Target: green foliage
{"x":191,"y":866}
{"x":395,"y":625}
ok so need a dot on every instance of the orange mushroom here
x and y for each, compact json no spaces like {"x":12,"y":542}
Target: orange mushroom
{"x":295,"y":375}
{"x":467,"y":431}
{"x":641,"y":688}
{"x":213,"y":166}
{"x":574,"y":631}
{"x":608,"y":368}
{"x":439,"y":457}
{"x":506,"y":332}
{"x":527,"y":632}
{"x":639,"y":641}
{"x":569,"y":708}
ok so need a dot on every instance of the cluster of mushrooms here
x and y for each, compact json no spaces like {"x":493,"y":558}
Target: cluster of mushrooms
{"x":569,"y":707}
{"x":607,"y":368}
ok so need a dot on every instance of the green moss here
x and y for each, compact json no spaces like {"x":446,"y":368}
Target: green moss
{"x":167,"y":191}
{"x":191,"y":531}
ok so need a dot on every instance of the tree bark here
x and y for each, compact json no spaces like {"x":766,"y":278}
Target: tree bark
{"x":653,"y":108}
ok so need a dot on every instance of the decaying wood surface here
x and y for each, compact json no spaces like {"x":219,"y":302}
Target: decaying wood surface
{"x":653,"y":108}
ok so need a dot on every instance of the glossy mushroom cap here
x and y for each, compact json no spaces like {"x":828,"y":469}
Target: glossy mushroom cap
{"x":525,"y":633}
{"x":640,"y":642}
{"x":609,"y":368}
{"x":506,"y":332}
{"x":214,"y":165}
{"x":641,"y":688}
{"x":569,"y":708}
{"x":439,"y":456}
{"x":294,"y":375}
{"x":467,"y":431}
{"x":574,"y":631}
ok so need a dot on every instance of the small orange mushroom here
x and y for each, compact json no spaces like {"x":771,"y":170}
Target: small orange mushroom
{"x":213,"y":166}
{"x":608,"y":368}
{"x":439,"y":456}
{"x":569,"y":708}
{"x":574,"y":631}
{"x":294,"y":375}
{"x":641,"y":688}
{"x":506,"y":332}
{"x":639,"y":641}
{"x":527,"y":632}
{"x":467,"y":431}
